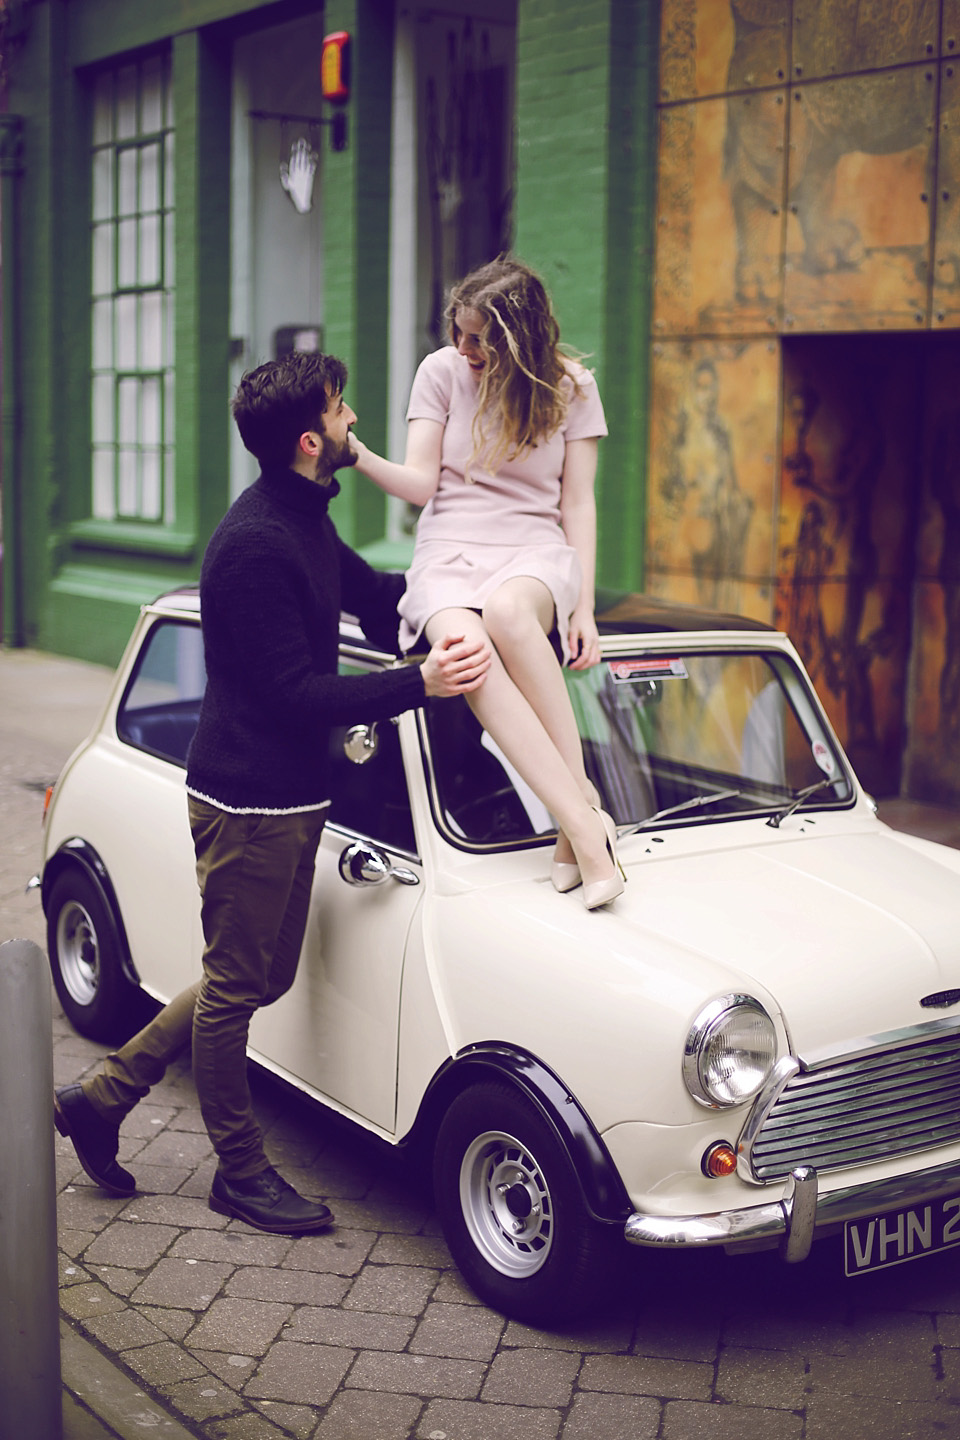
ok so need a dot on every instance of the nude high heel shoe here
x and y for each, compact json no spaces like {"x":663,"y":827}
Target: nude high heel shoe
{"x":564,"y":875}
{"x":601,"y":892}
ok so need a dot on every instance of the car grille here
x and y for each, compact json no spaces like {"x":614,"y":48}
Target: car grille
{"x":871,"y":1107}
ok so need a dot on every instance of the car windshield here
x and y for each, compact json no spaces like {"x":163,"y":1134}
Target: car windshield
{"x":669,"y":737}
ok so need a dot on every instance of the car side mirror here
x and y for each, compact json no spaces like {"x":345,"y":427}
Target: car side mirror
{"x":360,"y":743}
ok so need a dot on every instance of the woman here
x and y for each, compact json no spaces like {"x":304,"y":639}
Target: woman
{"x":502,"y":453}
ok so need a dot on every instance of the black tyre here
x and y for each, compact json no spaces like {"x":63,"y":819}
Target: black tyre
{"x":85,"y":958}
{"x":512,"y":1210}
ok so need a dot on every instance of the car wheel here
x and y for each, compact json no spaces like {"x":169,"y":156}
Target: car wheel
{"x":512,"y":1211}
{"x":85,"y":958}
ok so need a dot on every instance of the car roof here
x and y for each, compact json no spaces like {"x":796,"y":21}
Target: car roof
{"x":619,"y":612}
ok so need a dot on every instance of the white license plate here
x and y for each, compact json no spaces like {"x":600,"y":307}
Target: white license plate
{"x":879,"y":1241}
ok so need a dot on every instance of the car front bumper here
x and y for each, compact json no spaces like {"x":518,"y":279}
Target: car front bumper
{"x":800,"y":1217}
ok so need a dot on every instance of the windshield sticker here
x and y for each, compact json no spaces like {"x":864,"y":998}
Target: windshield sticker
{"x":628,"y":672}
{"x":823,"y":757}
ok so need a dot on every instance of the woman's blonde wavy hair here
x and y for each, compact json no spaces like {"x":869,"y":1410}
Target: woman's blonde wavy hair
{"x":520,"y":400}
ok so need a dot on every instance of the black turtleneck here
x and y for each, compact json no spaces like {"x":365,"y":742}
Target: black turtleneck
{"x":274,"y":579}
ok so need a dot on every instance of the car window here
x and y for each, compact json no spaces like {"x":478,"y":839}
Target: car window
{"x":161,"y":704}
{"x":481,"y":798}
{"x":371,"y":800}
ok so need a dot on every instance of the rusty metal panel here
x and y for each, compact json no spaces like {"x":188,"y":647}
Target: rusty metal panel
{"x":712,"y":473}
{"x":720,"y":215}
{"x":842,"y":37}
{"x":950,"y":28}
{"x":946,"y":258}
{"x":860,"y":174}
{"x":708,"y":47}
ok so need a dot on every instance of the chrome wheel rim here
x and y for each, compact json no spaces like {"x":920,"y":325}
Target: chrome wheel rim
{"x":506,"y":1204}
{"x":78,"y":953}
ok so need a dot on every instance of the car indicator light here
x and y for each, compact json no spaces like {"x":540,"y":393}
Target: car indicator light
{"x":719,"y":1160}
{"x":46,"y":804}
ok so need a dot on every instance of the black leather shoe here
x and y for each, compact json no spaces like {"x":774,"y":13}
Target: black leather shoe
{"x":95,"y":1140}
{"x":268,"y":1203}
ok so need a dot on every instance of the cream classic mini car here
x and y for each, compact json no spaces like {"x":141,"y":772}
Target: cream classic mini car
{"x":756,"y":1045}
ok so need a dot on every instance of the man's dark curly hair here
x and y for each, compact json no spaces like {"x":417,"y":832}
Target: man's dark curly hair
{"x":278,"y":401}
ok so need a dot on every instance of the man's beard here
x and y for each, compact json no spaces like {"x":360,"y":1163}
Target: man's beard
{"x":334,"y":457}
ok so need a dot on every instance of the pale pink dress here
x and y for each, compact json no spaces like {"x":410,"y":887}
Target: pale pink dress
{"x":477,"y":532}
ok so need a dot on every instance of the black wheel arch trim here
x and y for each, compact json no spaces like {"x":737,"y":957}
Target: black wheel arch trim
{"x":79,"y":852}
{"x":603,"y":1190}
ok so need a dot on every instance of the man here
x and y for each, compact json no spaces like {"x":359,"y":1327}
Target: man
{"x":273,"y":582}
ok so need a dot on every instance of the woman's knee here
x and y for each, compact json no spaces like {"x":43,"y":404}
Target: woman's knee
{"x":515,"y":615}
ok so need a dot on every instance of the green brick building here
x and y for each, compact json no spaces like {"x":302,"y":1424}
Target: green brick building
{"x":177,"y":207}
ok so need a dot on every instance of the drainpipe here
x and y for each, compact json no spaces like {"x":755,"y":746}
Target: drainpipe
{"x":11,"y":155}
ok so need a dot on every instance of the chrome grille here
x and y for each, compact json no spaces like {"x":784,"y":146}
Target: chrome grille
{"x":870,"y":1107}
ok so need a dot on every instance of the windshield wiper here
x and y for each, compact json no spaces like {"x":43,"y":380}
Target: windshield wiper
{"x":798,"y":799}
{"x":691,"y":804}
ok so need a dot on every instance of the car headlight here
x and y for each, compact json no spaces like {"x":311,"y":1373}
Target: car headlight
{"x":730,"y":1051}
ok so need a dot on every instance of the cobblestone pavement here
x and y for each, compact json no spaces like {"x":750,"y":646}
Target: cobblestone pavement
{"x":368,"y":1333}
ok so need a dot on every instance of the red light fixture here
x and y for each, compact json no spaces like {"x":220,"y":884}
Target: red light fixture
{"x":335,"y":67}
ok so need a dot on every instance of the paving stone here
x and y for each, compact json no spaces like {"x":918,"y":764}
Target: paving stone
{"x":836,"y":1417}
{"x":163,"y":1364}
{"x":416,"y":1375}
{"x":360,"y":1415}
{"x":173,"y":1323}
{"x":182,"y":1284}
{"x":204,"y":1399}
{"x":84,"y":1302}
{"x":121,"y":1282}
{"x":184,"y":1211}
{"x":298,"y":1420}
{"x":764,"y":1377}
{"x":411,"y":1250}
{"x":359,"y":1329}
{"x":237,"y":1247}
{"x":74,"y":1242}
{"x":69,"y":1272}
{"x":233,"y":1370}
{"x":612,"y":1417}
{"x":181,"y":1148}
{"x":125,"y":1330}
{"x":605,"y":1337}
{"x":677,"y":1339}
{"x":297,"y":1287}
{"x":392,"y":1289}
{"x":367,"y":1214}
{"x":532,"y":1377}
{"x":683,"y":1421}
{"x":889,"y":1357}
{"x":339,"y":1253}
{"x":948,"y":1330}
{"x":640,"y":1375}
{"x":245,"y":1427}
{"x":303,"y":1374}
{"x":247,"y":1326}
{"x":87,"y":1207}
{"x":460,"y":1420}
{"x":823,"y":1336}
{"x":133,"y":1246}
{"x":146,"y":1119}
{"x":452,"y":1289}
{"x":458,"y":1331}
{"x":162,"y":1179}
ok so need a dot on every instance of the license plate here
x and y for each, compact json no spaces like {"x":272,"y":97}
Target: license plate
{"x":879,"y":1241}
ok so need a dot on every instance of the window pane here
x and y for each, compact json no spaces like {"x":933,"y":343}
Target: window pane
{"x":151,"y":331}
{"x":151,"y":95}
{"x":103,"y":280}
{"x":169,"y":254}
{"x":127,"y":394}
{"x":126,"y":102}
{"x":150,"y":485}
{"x":150,"y":410}
{"x":168,"y":409}
{"x":102,"y":184}
{"x":126,"y":332}
{"x":127,"y":482}
{"x":127,"y":182}
{"x":168,"y":314}
{"x":127,"y":253}
{"x":150,"y":177}
{"x":102,"y":334}
{"x":102,"y":419}
{"x":149,"y":250}
{"x":103,"y":109}
{"x":168,"y":171}
{"x":103,"y":507}
{"x":168,"y":490}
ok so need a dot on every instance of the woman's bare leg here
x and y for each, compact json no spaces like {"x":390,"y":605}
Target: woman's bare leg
{"x":519,"y":617}
{"x":507,"y":715}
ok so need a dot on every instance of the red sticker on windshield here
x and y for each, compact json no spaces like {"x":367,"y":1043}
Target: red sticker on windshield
{"x":651,"y":667}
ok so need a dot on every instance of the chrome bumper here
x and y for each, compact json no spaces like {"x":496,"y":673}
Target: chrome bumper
{"x":800,"y":1217}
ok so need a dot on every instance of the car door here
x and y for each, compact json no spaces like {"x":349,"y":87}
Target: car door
{"x":336,"y":1029}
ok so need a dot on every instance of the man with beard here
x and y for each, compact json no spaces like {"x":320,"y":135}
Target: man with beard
{"x":274,"y":580}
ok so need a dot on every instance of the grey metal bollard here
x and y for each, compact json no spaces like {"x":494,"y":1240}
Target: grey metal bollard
{"x":30,"y":1383}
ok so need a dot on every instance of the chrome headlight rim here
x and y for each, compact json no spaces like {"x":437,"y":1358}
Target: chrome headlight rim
{"x":706,"y":1024}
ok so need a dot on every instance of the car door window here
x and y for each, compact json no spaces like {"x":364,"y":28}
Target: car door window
{"x":372,"y":799}
{"x":161,"y":704}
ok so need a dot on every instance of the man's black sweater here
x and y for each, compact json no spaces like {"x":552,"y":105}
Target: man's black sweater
{"x":274,"y":580}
